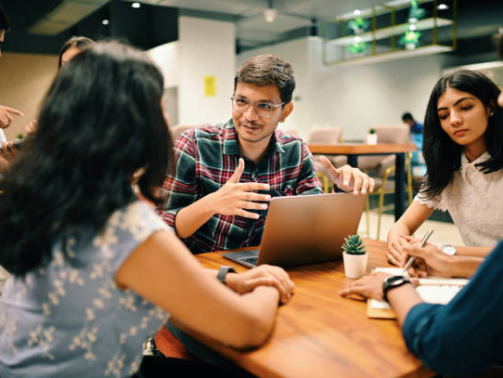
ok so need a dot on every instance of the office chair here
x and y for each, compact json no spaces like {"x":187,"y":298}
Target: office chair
{"x":326,"y":135}
{"x":325,"y":182}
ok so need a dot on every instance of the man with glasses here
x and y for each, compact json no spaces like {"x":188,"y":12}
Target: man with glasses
{"x":226,"y":175}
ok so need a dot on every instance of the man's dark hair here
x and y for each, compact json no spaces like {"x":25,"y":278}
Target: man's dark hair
{"x":407,"y":116}
{"x":4,"y":20}
{"x":265,"y":70}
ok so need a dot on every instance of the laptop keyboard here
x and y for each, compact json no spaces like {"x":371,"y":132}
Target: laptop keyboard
{"x":250,"y":260}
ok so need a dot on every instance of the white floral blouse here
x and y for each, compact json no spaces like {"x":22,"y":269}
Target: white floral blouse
{"x":69,"y":319}
{"x":474,"y":201}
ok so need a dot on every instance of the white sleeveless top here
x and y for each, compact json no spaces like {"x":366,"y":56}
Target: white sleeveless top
{"x":474,"y":201}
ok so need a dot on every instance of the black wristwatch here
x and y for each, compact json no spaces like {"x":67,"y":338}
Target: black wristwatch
{"x":392,"y":283}
{"x":222,"y":272}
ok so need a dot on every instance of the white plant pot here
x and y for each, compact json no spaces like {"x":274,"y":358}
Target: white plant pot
{"x":371,"y":138}
{"x":355,"y":266}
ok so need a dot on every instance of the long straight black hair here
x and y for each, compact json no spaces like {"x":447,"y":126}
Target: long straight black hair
{"x":101,"y":121}
{"x":441,"y":154}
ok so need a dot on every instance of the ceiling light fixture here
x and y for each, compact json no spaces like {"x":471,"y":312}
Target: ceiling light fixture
{"x":270,"y":12}
{"x":136,"y":5}
{"x":442,"y":7}
{"x":105,"y":21}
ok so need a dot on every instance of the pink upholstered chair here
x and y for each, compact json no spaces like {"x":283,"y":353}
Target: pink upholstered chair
{"x":178,"y":129}
{"x":326,"y":135}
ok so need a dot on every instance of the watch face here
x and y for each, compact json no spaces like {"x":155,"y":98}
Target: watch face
{"x":393,"y":280}
{"x":449,"y":250}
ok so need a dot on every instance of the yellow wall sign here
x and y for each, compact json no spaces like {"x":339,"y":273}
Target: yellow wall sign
{"x":210,"y":86}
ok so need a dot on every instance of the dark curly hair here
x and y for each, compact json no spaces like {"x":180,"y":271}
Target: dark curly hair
{"x":101,"y":121}
{"x":441,"y":154}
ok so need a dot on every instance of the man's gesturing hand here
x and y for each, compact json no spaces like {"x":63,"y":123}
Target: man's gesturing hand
{"x":234,"y":198}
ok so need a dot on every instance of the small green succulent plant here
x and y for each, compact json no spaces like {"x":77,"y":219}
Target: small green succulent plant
{"x":354,"y":245}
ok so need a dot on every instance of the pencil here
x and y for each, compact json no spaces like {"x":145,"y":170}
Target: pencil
{"x":413,"y":258}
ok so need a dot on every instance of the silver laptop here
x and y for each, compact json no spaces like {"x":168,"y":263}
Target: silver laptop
{"x":305,"y":229}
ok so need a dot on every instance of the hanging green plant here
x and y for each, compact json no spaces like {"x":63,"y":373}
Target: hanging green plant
{"x":415,"y":13}
{"x":358,"y":25}
{"x":358,"y":47}
{"x":410,"y":39}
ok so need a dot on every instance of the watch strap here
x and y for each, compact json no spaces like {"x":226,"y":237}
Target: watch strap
{"x":223,"y":271}
{"x":392,"y":283}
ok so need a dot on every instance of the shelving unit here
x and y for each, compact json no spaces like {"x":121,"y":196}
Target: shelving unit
{"x":381,"y":42}
{"x":425,"y":24}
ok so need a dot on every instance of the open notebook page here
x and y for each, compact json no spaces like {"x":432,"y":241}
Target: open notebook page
{"x":432,"y":290}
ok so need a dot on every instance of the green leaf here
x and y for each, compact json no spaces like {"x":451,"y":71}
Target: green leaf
{"x":354,"y":245}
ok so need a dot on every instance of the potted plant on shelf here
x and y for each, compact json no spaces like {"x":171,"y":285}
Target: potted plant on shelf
{"x":355,"y":257}
{"x":371,"y":137}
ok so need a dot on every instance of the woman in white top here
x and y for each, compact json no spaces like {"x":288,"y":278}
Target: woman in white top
{"x":463,"y":150}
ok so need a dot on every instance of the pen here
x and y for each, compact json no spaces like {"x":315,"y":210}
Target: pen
{"x":413,"y":258}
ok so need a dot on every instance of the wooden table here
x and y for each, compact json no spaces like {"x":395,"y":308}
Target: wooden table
{"x":320,"y":334}
{"x":355,"y":149}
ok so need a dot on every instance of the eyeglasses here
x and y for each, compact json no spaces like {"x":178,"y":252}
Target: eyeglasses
{"x":263,"y":109}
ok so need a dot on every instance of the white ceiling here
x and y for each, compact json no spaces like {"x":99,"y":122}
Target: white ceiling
{"x":476,"y":18}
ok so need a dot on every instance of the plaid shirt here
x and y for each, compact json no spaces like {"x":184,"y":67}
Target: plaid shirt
{"x":205,"y":160}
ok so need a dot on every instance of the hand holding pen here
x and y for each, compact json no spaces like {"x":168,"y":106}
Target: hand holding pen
{"x":413,"y":258}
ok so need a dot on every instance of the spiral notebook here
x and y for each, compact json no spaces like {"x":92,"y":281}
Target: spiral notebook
{"x":431,"y":290}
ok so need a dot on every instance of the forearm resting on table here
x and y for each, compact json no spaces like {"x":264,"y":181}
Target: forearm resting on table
{"x":402,"y":299}
{"x":189,"y":219}
{"x":247,"y":325}
{"x":164,"y":272}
